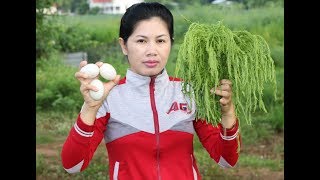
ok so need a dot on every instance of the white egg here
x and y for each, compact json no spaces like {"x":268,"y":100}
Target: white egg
{"x":107,"y":71}
{"x":97,"y":95}
{"x":91,"y":69}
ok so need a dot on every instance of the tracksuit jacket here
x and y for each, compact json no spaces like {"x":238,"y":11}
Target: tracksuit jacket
{"x":148,"y":130}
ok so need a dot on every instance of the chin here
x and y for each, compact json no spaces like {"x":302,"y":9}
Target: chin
{"x":152,"y":72}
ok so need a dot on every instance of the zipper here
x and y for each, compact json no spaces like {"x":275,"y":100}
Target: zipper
{"x":156,"y":122}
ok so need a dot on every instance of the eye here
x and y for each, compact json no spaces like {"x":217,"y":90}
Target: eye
{"x":161,"y":41}
{"x":141,"y":41}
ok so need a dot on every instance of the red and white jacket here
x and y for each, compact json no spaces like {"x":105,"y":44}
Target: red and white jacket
{"x":148,"y":131}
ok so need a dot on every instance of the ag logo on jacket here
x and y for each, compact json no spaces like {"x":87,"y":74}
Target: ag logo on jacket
{"x":179,"y":106}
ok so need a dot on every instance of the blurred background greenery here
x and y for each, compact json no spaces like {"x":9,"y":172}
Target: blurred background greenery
{"x":81,"y":29}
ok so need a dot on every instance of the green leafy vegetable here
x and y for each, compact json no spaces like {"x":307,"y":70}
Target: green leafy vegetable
{"x":211,"y":52}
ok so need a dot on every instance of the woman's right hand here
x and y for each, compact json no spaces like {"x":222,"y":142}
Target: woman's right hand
{"x":91,"y":106}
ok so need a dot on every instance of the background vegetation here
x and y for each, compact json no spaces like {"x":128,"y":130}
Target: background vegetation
{"x":58,"y":99}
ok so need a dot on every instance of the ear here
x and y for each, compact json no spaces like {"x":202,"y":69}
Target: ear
{"x":123,"y":46}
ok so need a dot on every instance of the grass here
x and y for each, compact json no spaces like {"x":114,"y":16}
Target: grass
{"x":54,"y":123}
{"x":257,"y":162}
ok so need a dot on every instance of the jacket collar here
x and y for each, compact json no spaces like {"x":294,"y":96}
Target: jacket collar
{"x":142,"y":82}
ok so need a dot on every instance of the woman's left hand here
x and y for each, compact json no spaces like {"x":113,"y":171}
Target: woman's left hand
{"x":228,"y":116}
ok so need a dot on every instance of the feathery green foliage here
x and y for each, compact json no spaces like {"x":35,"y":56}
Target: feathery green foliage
{"x":211,"y":52}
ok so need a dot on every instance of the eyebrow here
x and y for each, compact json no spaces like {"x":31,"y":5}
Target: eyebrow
{"x":147,"y":37}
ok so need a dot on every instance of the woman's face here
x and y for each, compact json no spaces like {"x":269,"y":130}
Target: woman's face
{"x":148,"y":47}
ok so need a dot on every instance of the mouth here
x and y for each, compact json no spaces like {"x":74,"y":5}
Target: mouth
{"x":151,"y":63}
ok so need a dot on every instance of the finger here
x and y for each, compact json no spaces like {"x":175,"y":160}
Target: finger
{"x":112,"y":83}
{"x":81,"y":76}
{"x":224,"y":101}
{"x":83,"y":63}
{"x":222,"y":93}
{"x":85,"y":86}
{"x":225,"y":87}
{"x":116,"y":79}
{"x":226,"y":81}
{"x":99,"y":63}
{"x":109,"y":85}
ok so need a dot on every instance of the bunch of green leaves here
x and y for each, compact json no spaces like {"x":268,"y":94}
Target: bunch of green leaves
{"x":211,"y":52}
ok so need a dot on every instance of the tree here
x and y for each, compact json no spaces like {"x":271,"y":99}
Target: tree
{"x":40,"y":6}
{"x":79,"y":6}
{"x":83,"y":7}
{"x":64,"y":5}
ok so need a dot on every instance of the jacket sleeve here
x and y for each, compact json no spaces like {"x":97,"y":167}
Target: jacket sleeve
{"x":81,"y":143}
{"x":222,"y":145}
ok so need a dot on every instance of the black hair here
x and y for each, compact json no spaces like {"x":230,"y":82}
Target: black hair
{"x":142,"y":11}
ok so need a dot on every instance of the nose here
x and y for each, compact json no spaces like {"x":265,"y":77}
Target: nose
{"x":151,"y":49}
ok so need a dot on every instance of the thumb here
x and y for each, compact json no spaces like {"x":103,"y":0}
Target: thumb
{"x":116,"y":80}
{"x":112,"y":83}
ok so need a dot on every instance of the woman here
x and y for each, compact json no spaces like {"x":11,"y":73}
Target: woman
{"x":144,"y":117}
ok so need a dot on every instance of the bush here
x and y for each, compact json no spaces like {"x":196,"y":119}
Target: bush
{"x":46,"y":38}
{"x":56,"y":87}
